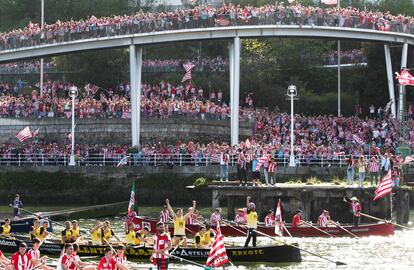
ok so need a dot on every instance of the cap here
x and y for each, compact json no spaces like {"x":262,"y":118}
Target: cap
{"x":240,"y":210}
{"x":354,"y":199}
{"x":252,"y":205}
{"x":299,"y":211}
{"x":218,"y":209}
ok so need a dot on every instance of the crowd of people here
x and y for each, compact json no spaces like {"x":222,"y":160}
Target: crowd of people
{"x":347,"y":57}
{"x":203,"y":16}
{"x":27,"y":67}
{"x":212,"y":64}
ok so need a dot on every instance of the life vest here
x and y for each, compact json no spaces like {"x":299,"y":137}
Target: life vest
{"x":179,"y":226}
{"x":96,"y":237}
{"x":201,"y":243}
{"x":6,"y":229}
{"x":252,"y":220}
{"x":75,"y":233}
{"x":34,"y":232}
{"x":207,"y":237}
{"x":66,"y":236}
{"x":131,"y":238}
{"x":107,"y":235}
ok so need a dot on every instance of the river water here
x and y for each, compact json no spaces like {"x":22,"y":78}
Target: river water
{"x":395,"y":252}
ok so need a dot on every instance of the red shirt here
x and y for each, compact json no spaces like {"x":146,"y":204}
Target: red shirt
{"x":69,"y":261}
{"x":356,"y":207}
{"x":160,"y":242}
{"x":296,"y":220}
{"x":21,"y":262}
{"x":104,"y":264}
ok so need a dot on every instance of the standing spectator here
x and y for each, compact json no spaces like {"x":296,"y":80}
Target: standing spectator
{"x":16,"y":204}
{"x":385,"y":164}
{"x":410,"y":111}
{"x":350,"y":170}
{"x":241,"y":168}
{"x":374,"y":170}
{"x":224,"y":166}
{"x":372,"y":111}
{"x":361,"y":171}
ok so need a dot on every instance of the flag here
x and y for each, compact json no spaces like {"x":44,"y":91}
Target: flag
{"x":69,"y":136}
{"x":131,"y":204}
{"x":215,"y":158}
{"x":218,"y":254}
{"x":187,"y":77}
{"x":404,"y":77}
{"x":385,"y":186}
{"x":35,"y":133}
{"x":262,"y":160}
{"x":278,"y":217}
{"x":408,"y":159}
{"x":330,"y":2}
{"x":357,"y":139}
{"x":188,"y":67}
{"x":248,"y":144}
{"x":24,"y":134}
{"x":122,"y":162}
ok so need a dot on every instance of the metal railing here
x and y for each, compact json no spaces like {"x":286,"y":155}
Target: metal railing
{"x":140,"y":159}
{"x":157,"y":22}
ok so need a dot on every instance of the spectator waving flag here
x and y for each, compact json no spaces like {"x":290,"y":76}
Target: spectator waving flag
{"x":262,"y":160}
{"x":122,"y":162}
{"x":385,"y":186}
{"x":187,"y":67}
{"x":357,"y":139}
{"x":330,"y":2}
{"x":131,"y":204}
{"x":404,"y":77}
{"x":218,"y":254}
{"x":25,"y":134}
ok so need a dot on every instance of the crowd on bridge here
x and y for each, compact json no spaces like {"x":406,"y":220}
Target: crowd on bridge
{"x":202,"y":16}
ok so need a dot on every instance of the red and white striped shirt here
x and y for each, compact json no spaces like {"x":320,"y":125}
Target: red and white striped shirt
{"x":69,"y":261}
{"x":356,"y":208}
{"x":21,"y":262}
{"x":269,"y":221}
{"x":191,"y":219}
{"x":272,"y":167}
{"x":164,"y":216}
{"x":240,"y":219}
{"x":34,"y":254}
{"x":323,"y":221}
{"x":215,"y":219}
{"x":120,"y":259}
{"x":160,"y":242}
{"x":373,"y":166}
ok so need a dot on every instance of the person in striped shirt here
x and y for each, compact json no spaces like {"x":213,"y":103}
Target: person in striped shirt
{"x":324,"y":219}
{"x":374,"y":170}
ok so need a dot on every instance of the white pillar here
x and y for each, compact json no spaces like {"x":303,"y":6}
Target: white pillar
{"x":401,"y":97}
{"x":231,"y":71}
{"x":292,"y":136}
{"x":42,"y":22}
{"x":135,"y":69}
{"x":234,"y":108}
{"x":339,"y":77}
{"x":390,"y":79}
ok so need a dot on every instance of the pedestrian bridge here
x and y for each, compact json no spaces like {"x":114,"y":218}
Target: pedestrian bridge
{"x":231,"y":32}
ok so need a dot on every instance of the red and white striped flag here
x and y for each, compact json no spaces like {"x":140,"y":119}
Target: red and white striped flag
{"x":187,"y":77}
{"x":188,"y":67}
{"x":131,"y":204}
{"x":215,"y":158}
{"x":385,"y":187}
{"x":278,"y":217}
{"x":262,"y":160}
{"x":330,"y":2}
{"x":122,"y":162}
{"x":25,"y":134}
{"x":357,"y":139}
{"x":404,"y":77}
{"x":218,"y":254}
{"x":35,"y":133}
{"x":248,"y":144}
{"x":408,"y":159}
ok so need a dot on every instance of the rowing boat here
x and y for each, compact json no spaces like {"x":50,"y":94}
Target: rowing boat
{"x":265,"y":254}
{"x":368,"y":229}
{"x":22,"y":225}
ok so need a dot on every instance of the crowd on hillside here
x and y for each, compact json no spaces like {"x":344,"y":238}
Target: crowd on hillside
{"x":203,"y":16}
{"x":347,"y":57}
{"x":26,"y":67}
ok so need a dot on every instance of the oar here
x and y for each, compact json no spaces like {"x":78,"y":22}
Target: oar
{"x":379,"y":219}
{"x":188,"y":261}
{"x":345,"y":230}
{"x":318,"y":229}
{"x":301,"y":249}
{"x":179,"y":243}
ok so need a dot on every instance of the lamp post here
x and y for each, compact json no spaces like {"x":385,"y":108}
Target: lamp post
{"x":291,"y":92}
{"x":42,"y":22}
{"x":73,"y":93}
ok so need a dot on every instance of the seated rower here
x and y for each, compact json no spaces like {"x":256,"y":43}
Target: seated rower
{"x":36,"y":260}
{"x":240,"y":218}
{"x":43,"y":230}
{"x":96,"y":234}
{"x":78,"y":261}
{"x":203,"y":238}
{"x":20,"y":260}
{"x":107,"y":233}
{"x":5,"y":229}
{"x":297,"y":219}
{"x":108,"y":262}
{"x":215,"y":218}
{"x":76,"y":235}
{"x":68,"y":260}
{"x":270,"y":218}
{"x":4,"y":262}
{"x":67,"y":234}
{"x":120,"y":257}
{"x":324,"y":219}
{"x":35,"y":229}
{"x":209,"y":235}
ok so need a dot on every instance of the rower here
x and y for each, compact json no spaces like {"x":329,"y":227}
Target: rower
{"x":96,"y":234}
{"x":215,"y":218}
{"x":21,"y":260}
{"x":270,"y":218}
{"x":191,"y":217}
{"x":16,"y":204}
{"x":209,"y":235}
{"x":120,"y":257}
{"x":297,"y":219}
{"x":164,"y":215}
{"x":68,"y":260}
{"x":202,"y":238}
{"x":251,"y":222}
{"x":240,"y":218}
{"x":75,"y":230}
{"x":36,"y":260}
{"x":356,"y":209}
{"x":4,"y":262}
{"x":131,"y":236}
{"x":179,"y":224}
{"x":43,"y":230}
{"x":162,"y":243}
{"x":35,"y":229}
{"x":82,"y":265}
{"x":67,"y":234}
{"x":324,"y":219}
{"x":5,"y":228}
{"x":107,"y":233}
{"x":108,"y":262}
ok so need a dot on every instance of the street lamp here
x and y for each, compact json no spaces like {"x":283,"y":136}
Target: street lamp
{"x":291,"y":92}
{"x":73,"y":92}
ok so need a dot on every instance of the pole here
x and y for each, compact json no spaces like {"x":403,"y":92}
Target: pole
{"x":235,"y":97}
{"x":401,"y":98}
{"x":339,"y":77}
{"x":390,"y":78}
{"x":292,"y":155}
{"x":391,"y":206}
{"x":135,"y":69}
{"x":231,"y":73}
{"x":72,"y":151}
{"x":42,"y":22}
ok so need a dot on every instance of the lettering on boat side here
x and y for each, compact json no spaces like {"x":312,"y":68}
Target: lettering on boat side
{"x":192,"y":253}
{"x":91,"y":250}
{"x":139,"y":252}
{"x":332,"y":231}
{"x":247,"y":252}
{"x":360,"y":230}
{"x":8,"y":243}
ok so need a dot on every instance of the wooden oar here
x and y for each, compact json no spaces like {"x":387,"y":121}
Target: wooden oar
{"x":187,"y":261}
{"x":318,"y":229}
{"x":386,"y":221}
{"x":301,"y":249}
{"x":345,"y":230}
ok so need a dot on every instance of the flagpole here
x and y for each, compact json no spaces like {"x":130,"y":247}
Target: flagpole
{"x":391,"y":205}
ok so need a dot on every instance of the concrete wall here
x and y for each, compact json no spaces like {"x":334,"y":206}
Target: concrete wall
{"x":118,"y":131}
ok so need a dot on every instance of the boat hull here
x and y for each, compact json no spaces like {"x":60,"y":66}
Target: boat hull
{"x":373,"y":229}
{"x":22,"y":225}
{"x":265,"y":254}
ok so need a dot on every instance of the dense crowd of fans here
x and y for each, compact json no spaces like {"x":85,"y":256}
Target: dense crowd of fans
{"x":27,"y":67}
{"x":347,"y":57}
{"x":204,"y":16}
